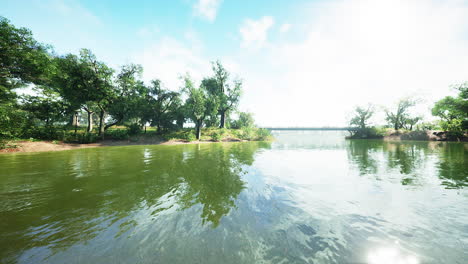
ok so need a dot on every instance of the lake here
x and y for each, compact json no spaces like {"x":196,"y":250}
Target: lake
{"x":308,"y":197}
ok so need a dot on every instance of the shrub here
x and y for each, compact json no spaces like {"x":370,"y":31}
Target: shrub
{"x":218,"y":135}
{"x":82,"y":138}
{"x":368,"y":132}
{"x":263,"y":134}
{"x":188,"y":136}
{"x":246,"y":133}
{"x":118,"y":134}
{"x":454,"y":128}
{"x":134,"y":129}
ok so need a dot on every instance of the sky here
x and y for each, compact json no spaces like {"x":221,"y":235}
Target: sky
{"x":303,"y":63}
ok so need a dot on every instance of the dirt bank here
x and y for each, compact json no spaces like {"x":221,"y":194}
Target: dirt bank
{"x":428,"y":135}
{"x":42,"y":146}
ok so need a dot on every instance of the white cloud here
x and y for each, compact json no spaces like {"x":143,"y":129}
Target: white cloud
{"x":285,"y":28}
{"x":254,"y":32}
{"x":168,"y":59}
{"x":148,"y":31}
{"x":356,"y":52}
{"x":207,"y":9}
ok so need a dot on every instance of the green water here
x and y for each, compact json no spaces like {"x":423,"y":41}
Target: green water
{"x":309,"y":197}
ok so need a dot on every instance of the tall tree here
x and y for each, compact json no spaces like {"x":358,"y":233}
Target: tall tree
{"x":226,"y":94}
{"x":162,"y":105}
{"x":85,"y":83}
{"x":130,"y":95}
{"x":453,"y":110}
{"x":398,"y":117}
{"x":23,"y":60}
{"x":361,"y":116}
{"x":198,"y":104}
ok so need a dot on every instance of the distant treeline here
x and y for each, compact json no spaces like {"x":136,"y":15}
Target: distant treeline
{"x":451,"y":111}
{"x":71,"y":89}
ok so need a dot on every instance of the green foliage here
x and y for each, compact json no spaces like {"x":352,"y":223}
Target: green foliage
{"x":162,"y":106}
{"x":398,"y":118}
{"x":247,"y":133}
{"x":454,"y":128}
{"x":245,"y":119}
{"x":454,"y":112}
{"x":263,"y":134}
{"x":118,"y":134}
{"x":362,"y":116}
{"x":23,"y":60}
{"x":13,"y":122}
{"x":218,"y":135}
{"x":226,"y":95}
{"x":81,"y":138}
{"x":133,"y":129}
{"x":367,"y":133}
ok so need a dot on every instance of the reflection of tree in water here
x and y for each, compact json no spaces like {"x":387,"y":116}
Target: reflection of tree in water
{"x":212,"y":178}
{"x":453,"y":165}
{"x":404,"y":157}
{"x":56,"y":200}
{"x":408,"y":157}
{"x":362,"y":153}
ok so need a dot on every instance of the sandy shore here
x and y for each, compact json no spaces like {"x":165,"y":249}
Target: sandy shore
{"x":42,"y":146}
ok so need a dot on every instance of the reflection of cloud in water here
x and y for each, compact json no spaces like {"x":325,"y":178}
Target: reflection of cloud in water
{"x":390,"y":255}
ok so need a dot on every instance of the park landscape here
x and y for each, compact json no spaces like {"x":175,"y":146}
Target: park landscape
{"x":99,"y":164}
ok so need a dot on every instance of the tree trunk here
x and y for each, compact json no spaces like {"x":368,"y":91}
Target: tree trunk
{"x":102,"y":117}
{"x":90,"y":121}
{"x":158,"y":128}
{"x":198,"y":130}
{"x":223,"y":119}
{"x":74,"y":121}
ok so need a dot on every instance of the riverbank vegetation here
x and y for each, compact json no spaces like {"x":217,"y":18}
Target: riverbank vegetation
{"x":78,"y":98}
{"x":452,"y":123}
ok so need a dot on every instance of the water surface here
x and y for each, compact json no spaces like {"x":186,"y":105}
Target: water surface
{"x":309,"y":197}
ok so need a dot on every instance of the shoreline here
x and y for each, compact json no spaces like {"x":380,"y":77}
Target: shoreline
{"x":48,"y":146}
{"x":425,"y":135}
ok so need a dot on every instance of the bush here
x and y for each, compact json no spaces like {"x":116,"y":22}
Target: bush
{"x":368,"y":132}
{"x":454,"y":128}
{"x":118,"y":134}
{"x":263,"y":134}
{"x":134,"y":129}
{"x":246,"y":133}
{"x":188,"y":136}
{"x":81,"y":138}
{"x":218,"y":135}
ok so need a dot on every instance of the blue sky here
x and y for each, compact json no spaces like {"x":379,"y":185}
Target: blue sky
{"x":304,"y":63}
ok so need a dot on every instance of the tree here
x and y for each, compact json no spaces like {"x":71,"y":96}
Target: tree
{"x":198,"y":104}
{"x":410,"y":122}
{"x":46,"y":107}
{"x":398,"y":118}
{"x":23,"y":60}
{"x":245,"y":119}
{"x":85,"y":83}
{"x":162,"y":105}
{"x":227,"y":95}
{"x":361,"y":116}
{"x":130,"y":96}
{"x":453,"y":110}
